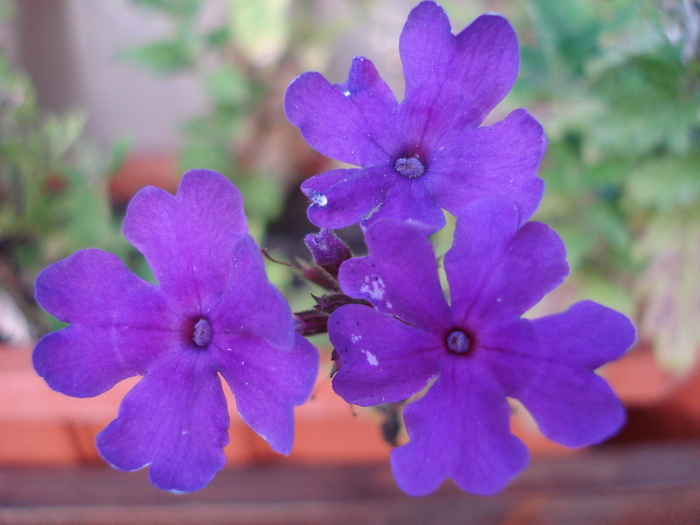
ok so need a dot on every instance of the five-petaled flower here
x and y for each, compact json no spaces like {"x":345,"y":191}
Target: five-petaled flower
{"x":212,"y":312}
{"x":428,"y":152}
{"x":476,"y":351}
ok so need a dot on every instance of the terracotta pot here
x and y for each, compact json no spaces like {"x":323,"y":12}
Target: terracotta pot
{"x":42,"y":427}
{"x":138,"y":171}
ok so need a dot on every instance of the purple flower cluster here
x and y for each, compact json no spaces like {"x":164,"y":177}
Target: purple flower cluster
{"x":396,"y":336}
{"x":455,"y":361}
{"x":213,"y":313}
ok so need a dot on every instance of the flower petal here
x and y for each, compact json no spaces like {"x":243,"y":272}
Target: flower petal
{"x":250,"y":304}
{"x":381,"y":359}
{"x":588,"y":334}
{"x":187,"y":239}
{"x":457,"y":80}
{"x":268,"y":383}
{"x":412,"y":202}
{"x":399,"y":276}
{"x":83,"y":361}
{"x":459,"y":429}
{"x":175,"y":420}
{"x":346,"y":122}
{"x":548,"y":365}
{"x":498,"y":161}
{"x":496,"y":269}
{"x":341,"y":198}
{"x":120,"y":324}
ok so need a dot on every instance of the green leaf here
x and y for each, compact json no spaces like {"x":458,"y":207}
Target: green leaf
{"x":260,"y":28}
{"x":176,"y":8}
{"x":664,"y":184}
{"x":228,"y":87}
{"x":162,"y":57}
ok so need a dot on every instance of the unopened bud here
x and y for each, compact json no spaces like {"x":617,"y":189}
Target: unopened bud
{"x":328,"y":250}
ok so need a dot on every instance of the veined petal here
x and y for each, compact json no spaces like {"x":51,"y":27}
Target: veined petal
{"x":459,"y":429}
{"x":548,"y":365}
{"x":85,"y":361}
{"x":588,"y":334}
{"x":120,"y":324}
{"x":457,"y":80}
{"x":341,"y":198}
{"x":409,"y":201}
{"x":495,"y":268}
{"x":95,"y":288}
{"x":268,"y":383}
{"x":497,"y":161}
{"x":346,"y":122}
{"x":187,"y":239}
{"x":399,"y":276}
{"x":175,"y":420}
{"x":381,"y":359}
{"x":250,"y":304}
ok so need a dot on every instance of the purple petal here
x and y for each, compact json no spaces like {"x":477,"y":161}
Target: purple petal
{"x":187,"y":239}
{"x":459,"y":429}
{"x":348,"y":122}
{"x":498,"y":161}
{"x":399,"y":276}
{"x":341,"y":198}
{"x":381,"y":359}
{"x":409,"y":201}
{"x":175,"y":420}
{"x":548,"y":365}
{"x":588,"y":334}
{"x":457,"y":80}
{"x":120,"y":324}
{"x":250,"y":304}
{"x":268,"y":383}
{"x":496,"y":269}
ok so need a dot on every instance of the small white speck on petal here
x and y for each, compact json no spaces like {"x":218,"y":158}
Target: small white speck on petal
{"x":319,"y":199}
{"x":346,"y":93}
{"x":371,"y":358}
{"x":376,"y":290}
{"x":355,"y":338}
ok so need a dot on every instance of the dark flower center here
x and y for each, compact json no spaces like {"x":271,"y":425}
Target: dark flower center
{"x":458,"y":342}
{"x":201,"y":335}
{"x":409,"y":167}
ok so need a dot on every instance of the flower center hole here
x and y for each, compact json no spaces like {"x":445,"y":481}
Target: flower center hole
{"x":409,"y":167}
{"x":458,"y":342}
{"x":201,"y":334}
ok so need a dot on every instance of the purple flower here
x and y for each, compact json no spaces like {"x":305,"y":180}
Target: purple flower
{"x":428,"y":152}
{"x":476,"y":351}
{"x":213,"y":312}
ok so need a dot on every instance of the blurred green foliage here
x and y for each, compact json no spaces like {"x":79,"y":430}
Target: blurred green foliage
{"x":621,"y":107}
{"x":53,"y":189}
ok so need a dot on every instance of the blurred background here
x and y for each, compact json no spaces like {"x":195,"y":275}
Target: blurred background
{"x":98,"y":99}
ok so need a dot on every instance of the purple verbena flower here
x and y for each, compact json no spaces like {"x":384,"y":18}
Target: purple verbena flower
{"x":213,"y":312}
{"x":475,"y":351}
{"x":428,"y":152}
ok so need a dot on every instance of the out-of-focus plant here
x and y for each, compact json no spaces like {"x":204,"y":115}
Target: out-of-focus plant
{"x":245,"y":63}
{"x":53,"y":189}
{"x":620,"y":103}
